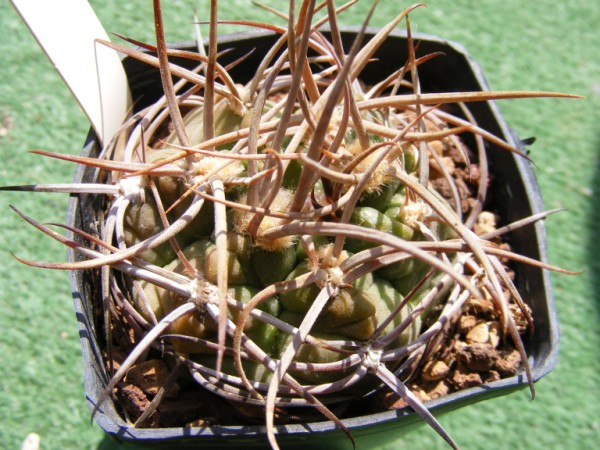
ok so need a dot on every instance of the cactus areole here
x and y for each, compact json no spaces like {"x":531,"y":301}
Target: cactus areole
{"x":305,"y":233}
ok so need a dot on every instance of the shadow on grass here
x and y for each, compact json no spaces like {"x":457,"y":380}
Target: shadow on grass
{"x":109,"y":443}
{"x":593,"y":221}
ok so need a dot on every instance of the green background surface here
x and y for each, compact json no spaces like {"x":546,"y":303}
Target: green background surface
{"x":544,"y":45}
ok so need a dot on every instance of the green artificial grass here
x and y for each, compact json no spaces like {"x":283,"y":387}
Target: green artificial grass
{"x":543,"y":45}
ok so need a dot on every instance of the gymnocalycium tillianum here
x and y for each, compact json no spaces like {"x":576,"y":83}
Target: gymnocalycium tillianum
{"x":282,"y":240}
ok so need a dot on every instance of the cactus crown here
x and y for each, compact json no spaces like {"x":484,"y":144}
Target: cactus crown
{"x":283,"y":239}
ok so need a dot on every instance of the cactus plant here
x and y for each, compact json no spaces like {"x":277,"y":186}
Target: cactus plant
{"x":283,"y":240}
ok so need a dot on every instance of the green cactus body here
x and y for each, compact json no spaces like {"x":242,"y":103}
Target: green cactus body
{"x":252,"y":264}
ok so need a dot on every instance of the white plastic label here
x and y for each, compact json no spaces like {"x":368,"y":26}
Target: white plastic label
{"x":67,"y":30}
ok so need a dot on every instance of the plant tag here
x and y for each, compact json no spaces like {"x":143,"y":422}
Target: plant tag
{"x":67,"y":31}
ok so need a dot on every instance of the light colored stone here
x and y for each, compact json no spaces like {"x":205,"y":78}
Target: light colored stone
{"x":479,"y":334}
{"x":435,"y":370}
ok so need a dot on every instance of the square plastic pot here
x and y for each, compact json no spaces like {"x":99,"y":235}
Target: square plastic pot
{"x":514,"y":195}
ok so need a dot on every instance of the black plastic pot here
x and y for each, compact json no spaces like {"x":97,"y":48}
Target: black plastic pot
{"x":515,"y":195}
